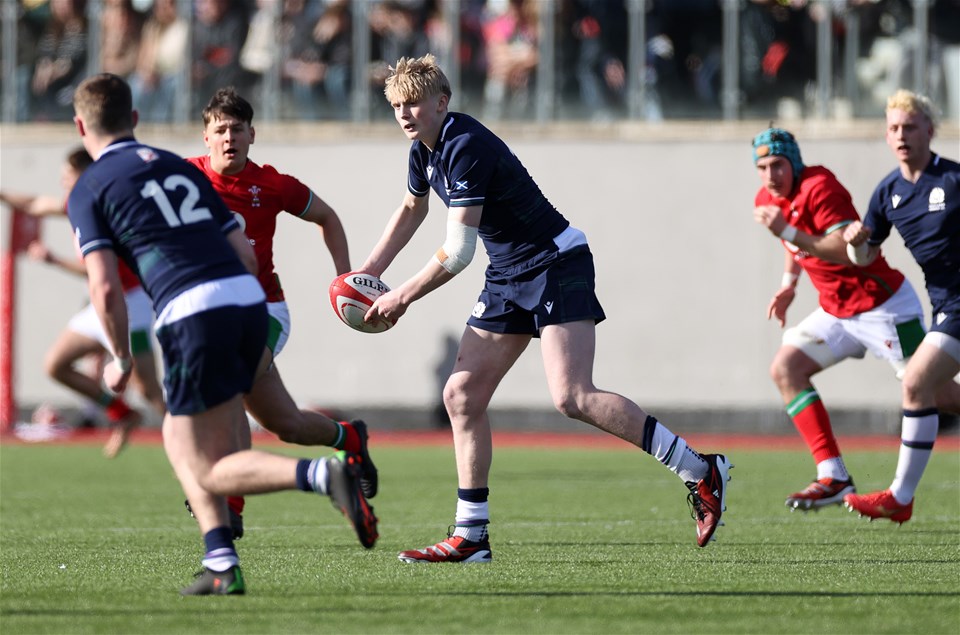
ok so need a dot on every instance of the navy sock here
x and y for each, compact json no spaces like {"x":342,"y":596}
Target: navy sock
{"x":303,"y":481}
{"x":218,"y":538}
{"x":476,"y":495}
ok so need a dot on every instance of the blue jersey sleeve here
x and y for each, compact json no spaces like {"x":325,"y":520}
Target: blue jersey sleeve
{"x":471,"y":166}
{"x":90,"y":227}
{"x":417,"y":171}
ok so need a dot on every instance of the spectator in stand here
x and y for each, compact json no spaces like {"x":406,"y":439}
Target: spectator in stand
{"x":398,"y":31}
{"x":120,"y":26}
{"x":163,"y":53}
{"x":689,"y":75}
{"x":472,"y":52}
{"x":775,"y":64}
{"x":219,"y":34}
{"x":333,"y":36}
{"x":599,"y":30}
{"x":302,"y":69}
{"x":30,"y":24}
{"x":265,"y":43}
{"x":61,"y":60}
{"x":510,"y":37}
{"x":945,"y":40}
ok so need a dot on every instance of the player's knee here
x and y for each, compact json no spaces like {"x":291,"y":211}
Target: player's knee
{"x":569,"y":404}
{"x":784,"y":372}
{"x":460,"y":400}
{"x":455,"y":399}
{"x":913,"y":388}
{"x":55,"y":366}
{"x":778,"y":371}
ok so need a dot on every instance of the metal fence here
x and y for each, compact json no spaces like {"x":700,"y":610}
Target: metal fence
{"x":582,"y":59}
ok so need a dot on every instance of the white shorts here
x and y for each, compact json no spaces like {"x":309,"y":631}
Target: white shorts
{"x":279,"y":330}
{"x":892,"y":331}
{"x":139,"y":318}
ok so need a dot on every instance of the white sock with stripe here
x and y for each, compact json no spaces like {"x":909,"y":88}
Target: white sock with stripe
{"x":472,"y":515}
{"x":916,"y":445}
{"x":672,"y":451}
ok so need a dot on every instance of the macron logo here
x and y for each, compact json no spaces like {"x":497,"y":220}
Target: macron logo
{"x":549,"y":306}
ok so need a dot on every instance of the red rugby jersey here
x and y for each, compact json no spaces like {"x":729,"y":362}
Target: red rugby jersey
{"x":821,"y":205}
{"x":258,"y":194}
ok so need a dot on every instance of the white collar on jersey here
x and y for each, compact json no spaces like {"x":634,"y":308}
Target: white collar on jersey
{"x":117,"y":145}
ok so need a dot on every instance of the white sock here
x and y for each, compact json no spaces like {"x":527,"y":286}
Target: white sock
{"x":220,"y":560}
{"x":916,"y":445}
{"x":472,"y":519}
{"x":832,"y":468}
{"x":318,"y":475}
{"x":672,"y":451}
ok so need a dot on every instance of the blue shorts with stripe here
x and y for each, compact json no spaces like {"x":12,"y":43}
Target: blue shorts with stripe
{"x":552,"y":288}
{"x":211,"y":356}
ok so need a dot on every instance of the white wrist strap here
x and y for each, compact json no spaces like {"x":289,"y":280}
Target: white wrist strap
{"x":789,"y":234}
{"x":789,"y":279}
{"x":858,"y":254}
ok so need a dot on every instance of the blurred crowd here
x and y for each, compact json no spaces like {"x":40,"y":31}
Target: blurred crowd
{"x":306,"y":48}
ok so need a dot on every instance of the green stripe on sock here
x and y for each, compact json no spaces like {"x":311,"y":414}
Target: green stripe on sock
{"x":341,"y":436}
{"x":673,"y":447}
{"x":802,"y":400}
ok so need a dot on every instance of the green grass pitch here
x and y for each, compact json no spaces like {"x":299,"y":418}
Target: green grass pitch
{"x":584,"y":541}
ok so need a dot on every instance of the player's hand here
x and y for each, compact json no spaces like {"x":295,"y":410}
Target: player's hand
{"x":115,"y":376}
{"x":778,"y":306}
{"x":770,"y":217}
{"x":387,"y":307}
{"x":856,"y":233}
{"x":38,"y":251}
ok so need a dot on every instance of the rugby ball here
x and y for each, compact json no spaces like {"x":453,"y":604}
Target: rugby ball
{"x":352,"y":295}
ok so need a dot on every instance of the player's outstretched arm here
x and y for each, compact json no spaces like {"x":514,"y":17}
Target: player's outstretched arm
{"x":41,"y":253}
{"x":399,"y":230}
{"x":331,"y":229}
{"x":34,"y":204}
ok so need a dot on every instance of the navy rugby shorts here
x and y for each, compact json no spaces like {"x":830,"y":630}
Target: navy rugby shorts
{"x":212,"y":356}
{"x":947,"y":321}
{"x":551,"y":288}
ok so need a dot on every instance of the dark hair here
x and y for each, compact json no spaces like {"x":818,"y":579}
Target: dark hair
{"x":79,"y":159}
{"x":105,"y":103}
{"x":228,"y":102}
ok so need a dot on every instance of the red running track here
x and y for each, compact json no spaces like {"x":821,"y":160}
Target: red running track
{"x":418,"y":438}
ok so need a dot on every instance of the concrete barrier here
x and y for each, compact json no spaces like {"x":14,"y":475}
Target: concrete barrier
{"x":684,"y":273}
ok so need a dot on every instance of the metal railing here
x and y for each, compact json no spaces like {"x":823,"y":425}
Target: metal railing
{"x":834,"y":91}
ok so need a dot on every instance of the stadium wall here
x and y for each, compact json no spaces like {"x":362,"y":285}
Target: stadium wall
{"x":684,"y":273}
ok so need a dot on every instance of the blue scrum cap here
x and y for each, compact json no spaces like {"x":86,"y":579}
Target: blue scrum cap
{"x":778,"y":142}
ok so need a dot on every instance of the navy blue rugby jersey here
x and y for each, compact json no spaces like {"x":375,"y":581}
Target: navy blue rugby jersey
{"x":927,"y":216}
{"x":159,"y":214}
{"x":472,"y":166}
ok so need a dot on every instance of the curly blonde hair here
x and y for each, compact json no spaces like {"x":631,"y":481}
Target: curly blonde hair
{"x":911,"y":102}
{"x":414,"y":79}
